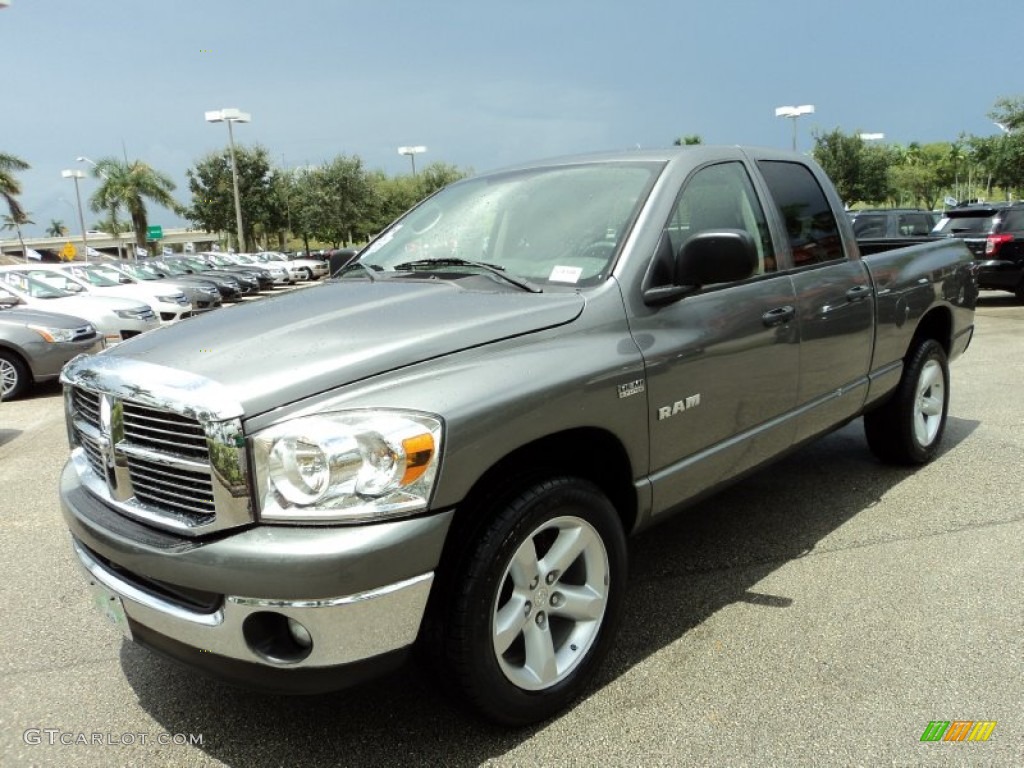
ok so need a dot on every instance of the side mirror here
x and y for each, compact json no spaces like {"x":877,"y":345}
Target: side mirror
{"x":711,"y":256}
{"x":10,"y":301}
{"x":716,"y":256}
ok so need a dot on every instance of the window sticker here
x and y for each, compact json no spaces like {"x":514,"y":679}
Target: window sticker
{"x":562,"y":274}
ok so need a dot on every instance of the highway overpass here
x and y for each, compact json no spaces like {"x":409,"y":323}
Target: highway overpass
{"x":101,"y":241}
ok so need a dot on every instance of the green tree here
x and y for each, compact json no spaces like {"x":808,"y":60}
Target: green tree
{"x":16,"y":221}
{"x":57,"y":228}
{"x":344,"y":194}
{"x":858,"y":171}
{"x":1008,"y":113}
{"x":10,"y":187}
{"x":688,"y":140}
{"x":129,"y":185}
{"x":264,"y":208}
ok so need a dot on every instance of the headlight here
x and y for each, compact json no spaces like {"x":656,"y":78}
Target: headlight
{"x":351,"y":466}
{"x":172,"y":298}
{"x":128,"y":314}
{"x":54,"y":334}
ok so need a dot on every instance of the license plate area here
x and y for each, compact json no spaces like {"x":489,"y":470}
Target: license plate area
{"x":111,"y":606}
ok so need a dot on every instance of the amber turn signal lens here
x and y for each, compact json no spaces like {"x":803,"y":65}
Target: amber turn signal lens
{"x":418,"y":451}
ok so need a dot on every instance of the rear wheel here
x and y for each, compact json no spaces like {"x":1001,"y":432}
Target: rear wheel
{"x":537,"y":602}
{"x":14,"y":376}
{"x":909,"y":427}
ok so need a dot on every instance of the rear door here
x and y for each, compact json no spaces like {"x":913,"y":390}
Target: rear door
{"x":834,"y":300}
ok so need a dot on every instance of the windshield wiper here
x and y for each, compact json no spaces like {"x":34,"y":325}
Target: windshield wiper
{"x":494,"y":269}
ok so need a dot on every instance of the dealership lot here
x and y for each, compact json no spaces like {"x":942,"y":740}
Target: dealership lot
{"x":823,"y":612}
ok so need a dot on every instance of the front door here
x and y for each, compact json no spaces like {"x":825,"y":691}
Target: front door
{"x":721,"y":364}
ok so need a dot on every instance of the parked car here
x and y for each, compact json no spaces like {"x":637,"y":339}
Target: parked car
{"x":448,"y":444}
{"x":994,"y":233}
{"x":302,"y":268}
{"x":202,"y":294}
{"x":35,"y":345}
{"x":228,"y":286}
{"x":892,"y":223}
{"x":115,"y":318}
{"x":278,"y":273}
{"x":248,"y":282}
{"x":168,"y":303}
{"x":220,"y":261}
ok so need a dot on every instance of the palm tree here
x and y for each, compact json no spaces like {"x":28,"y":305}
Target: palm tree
{"x":57,"y":228}
{"x":9,"y":185}
{"x":15,"y":221}
{"x":128,"y":185}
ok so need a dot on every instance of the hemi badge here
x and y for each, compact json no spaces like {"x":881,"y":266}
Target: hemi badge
{"x":632,"y":388}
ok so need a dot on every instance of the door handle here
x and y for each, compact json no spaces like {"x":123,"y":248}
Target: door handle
{"x":858,"y":293}
{"x":778,"y":316}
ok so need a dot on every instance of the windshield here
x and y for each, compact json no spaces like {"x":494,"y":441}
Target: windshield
{"x":140,"y":272}
{"x":974,"y":223}
{"x":34,"y":288}
{"x":96,"y":274}
{"x":557,"y":225}
{"x":94,"y":277}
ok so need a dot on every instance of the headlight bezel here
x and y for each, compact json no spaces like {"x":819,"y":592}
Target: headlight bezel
{"x":347,"y":467}
{"x":54,"y":335}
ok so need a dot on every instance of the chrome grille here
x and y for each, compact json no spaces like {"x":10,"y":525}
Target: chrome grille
{"x":87,"y":407}
{"x":163,"y":431}
{"x":84,"y":332}
{"x":161,"y":446}
{"x":179,"y":489}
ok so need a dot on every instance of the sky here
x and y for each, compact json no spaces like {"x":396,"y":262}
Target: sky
{"x":480,"y":84}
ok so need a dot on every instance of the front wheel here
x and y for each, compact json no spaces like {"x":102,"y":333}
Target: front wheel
{"x":14,"y":376}
{"x":538,"y":601}
{"x":909,"y":427}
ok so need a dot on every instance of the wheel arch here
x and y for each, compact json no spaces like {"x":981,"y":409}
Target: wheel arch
{"x":589,"y":453}
{"x":936,"y":324}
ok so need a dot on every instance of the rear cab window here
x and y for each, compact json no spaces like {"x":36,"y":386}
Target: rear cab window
{"x":810,"y":223}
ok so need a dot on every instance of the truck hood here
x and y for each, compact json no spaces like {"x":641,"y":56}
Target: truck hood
{"x":281,"y":349}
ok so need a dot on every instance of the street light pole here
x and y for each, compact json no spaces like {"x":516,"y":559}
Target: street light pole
{"x":793,"y":113}
{"x":231,"y":115}
{"x":76,"y":175}
{"x":411,"y":152}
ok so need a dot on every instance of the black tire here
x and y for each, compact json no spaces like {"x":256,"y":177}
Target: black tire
{"x":909,"y":427}
{"x":14,"y":376}
{"x":564,"y":621}
{"x":1018,"y":292}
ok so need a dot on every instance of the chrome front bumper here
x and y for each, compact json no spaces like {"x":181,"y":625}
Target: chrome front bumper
{"x":342,"y":630}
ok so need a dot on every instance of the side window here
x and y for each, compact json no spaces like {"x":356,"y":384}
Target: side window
{"x":914,"y":224}
{"x":1014,"y":220}
{"x":868,"y":225}
{"x":810,"y":223}
{"x":721,"y":197}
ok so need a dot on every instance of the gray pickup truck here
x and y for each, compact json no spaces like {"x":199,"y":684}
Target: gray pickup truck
{"x":446,"y":445}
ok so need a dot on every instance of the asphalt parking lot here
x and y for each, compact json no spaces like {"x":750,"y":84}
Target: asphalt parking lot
{"x":823,"y":612}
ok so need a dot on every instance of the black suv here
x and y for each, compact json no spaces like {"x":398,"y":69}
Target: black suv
{"x":995,"y":234}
